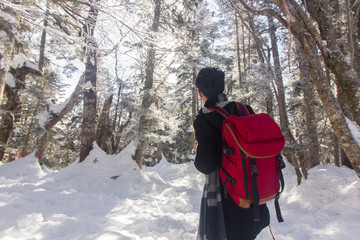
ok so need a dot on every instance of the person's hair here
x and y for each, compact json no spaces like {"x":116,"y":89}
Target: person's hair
{"x":210,"y":81}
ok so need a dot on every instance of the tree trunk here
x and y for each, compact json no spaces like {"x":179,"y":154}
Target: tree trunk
{"x":24,"y":149}
{"x":144,"y":123}
{"x":12,"y":108}
{"x":159,"y":151}
{"x":336,"y":151}
{"x":357,"y":20}
{"x":284,"y":122}
{"x":102,"y":129}
{"x":116,"y":140}
{"x":346,"y":76}
{"x":43,"y":39}
{"x":194,"y":101}
{"x":331,"y":106}
{"x":269,"y":94}
{"x":8,"y":45}
{"x":243,"y":48}
{"x":312,"y":144}
{"x":88,"y":134}
{"x":345,"y":161}
{"x":238,"y":56}
{"x":115,"y":135}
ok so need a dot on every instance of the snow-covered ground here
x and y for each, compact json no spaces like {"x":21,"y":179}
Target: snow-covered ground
{"x":109,"y":198}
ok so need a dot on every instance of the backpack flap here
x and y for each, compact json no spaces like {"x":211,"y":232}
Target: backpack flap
{"x":257,"y":135}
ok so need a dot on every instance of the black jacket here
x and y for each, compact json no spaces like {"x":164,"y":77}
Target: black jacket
{"x":208,"y":124}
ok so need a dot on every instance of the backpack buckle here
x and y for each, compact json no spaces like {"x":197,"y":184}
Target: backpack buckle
{"x":229,"y":151}
{"x":254,"y":170}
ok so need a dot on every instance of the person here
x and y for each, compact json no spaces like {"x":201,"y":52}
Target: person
{"x":220,"y":217}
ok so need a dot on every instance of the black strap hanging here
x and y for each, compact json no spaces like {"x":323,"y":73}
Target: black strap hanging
{"x":277,"y":209}
{"x":282,"y":186}
{"x":229,"y":179}
{"x":255,"y":190}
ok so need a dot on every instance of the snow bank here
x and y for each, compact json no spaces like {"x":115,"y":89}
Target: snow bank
{"x":108,"y":197}
{"x":325,"y":206}
{"x":104,"y":197}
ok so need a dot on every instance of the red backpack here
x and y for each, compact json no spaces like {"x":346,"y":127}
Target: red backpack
{"x":252,"y":163}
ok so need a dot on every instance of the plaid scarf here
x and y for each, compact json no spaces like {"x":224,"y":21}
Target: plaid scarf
{"x":211,"y":223}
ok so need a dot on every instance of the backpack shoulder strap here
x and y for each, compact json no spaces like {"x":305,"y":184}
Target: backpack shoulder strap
{"x":243,"y":109}
{"x":221,"y":111}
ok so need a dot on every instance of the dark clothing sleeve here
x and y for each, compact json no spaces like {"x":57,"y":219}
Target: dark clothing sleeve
{"x":207,"y":153}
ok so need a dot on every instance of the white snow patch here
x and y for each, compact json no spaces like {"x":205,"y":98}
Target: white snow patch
{"x":109,"y":197}
{"x":20,"y":60}
{"x":10,"y":80}
{"x":355,"y":132}
{"x":42,"y":118}
{"x":7,"y":17}
{"x":88,"y":85}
